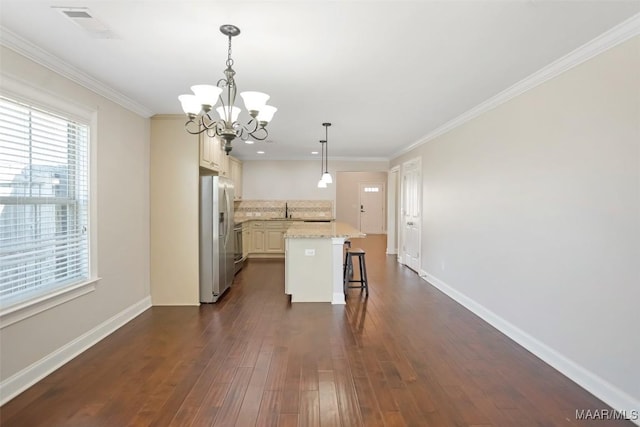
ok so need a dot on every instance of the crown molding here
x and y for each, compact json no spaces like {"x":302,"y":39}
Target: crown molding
{"x":607,"y":40}
{"x":29,"y":50}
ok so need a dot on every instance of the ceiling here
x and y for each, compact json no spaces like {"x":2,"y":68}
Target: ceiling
{"x":385,"y":73}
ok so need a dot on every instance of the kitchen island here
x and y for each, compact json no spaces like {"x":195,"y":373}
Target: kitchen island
{"x":313,"y":260}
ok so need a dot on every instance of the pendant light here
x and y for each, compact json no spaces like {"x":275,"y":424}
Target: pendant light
{"x":322,"y":183}
{"x":326,"y":176}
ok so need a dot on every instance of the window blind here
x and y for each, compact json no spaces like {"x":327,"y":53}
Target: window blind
{"x":44,"y":202}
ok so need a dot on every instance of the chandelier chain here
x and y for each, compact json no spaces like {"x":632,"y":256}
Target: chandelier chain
{"x":229,"y":59}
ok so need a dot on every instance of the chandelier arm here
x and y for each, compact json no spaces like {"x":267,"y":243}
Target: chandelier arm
{"x":191,"y":124}
{"x":256,"y":134}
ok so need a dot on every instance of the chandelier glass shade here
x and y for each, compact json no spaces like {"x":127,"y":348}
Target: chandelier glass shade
{"x":199,"y":105}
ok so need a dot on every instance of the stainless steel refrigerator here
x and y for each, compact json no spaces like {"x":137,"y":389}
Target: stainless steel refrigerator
{"x":216,"y":237}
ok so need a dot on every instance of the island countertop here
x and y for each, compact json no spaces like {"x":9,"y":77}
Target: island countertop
{"x":318,"y":230}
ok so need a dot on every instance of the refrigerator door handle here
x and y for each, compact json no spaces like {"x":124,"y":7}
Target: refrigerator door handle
{"x":226,"y":223}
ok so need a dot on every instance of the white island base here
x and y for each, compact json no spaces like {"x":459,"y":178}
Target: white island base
{"x":313,"y":261}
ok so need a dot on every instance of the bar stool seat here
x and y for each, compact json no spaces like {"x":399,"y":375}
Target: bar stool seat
{"x":347,"y":278}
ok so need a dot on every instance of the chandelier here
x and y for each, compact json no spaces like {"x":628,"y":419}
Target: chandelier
{"x":198,"y":106}
{"x":325,"y":176}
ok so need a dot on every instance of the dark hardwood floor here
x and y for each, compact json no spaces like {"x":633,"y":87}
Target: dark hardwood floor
{"x":406,"y":356}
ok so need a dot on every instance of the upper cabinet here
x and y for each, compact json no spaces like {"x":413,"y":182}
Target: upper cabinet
{"x":210,"y":152}
{"x":214,"y":159}
{"x":212,"y":155}
{"x":235,"y":173}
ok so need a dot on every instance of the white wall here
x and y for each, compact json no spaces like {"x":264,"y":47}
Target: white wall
{"x":532,"y":212}
{"x":30,"y":347}
{"x":295,"y":179}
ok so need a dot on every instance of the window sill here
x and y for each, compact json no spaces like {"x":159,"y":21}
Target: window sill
{"x":20,"y":311}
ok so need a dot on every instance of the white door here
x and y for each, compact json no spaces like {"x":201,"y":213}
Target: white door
{"x":372,"y":200}
{"x":411,"y":220}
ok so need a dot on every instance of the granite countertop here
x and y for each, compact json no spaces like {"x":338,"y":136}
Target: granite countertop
{"x":315,"y":230}
{"x":241,"y":219}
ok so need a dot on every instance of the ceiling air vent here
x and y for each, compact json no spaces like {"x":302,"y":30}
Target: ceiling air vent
{"x":82,"y":17}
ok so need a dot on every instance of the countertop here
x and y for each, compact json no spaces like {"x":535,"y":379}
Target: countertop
{"x":321,"y":220}
{"x":315,"y":230}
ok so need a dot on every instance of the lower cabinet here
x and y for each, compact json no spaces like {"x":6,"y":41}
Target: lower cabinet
{"x":246,"y":240}
{"x":267,"y":238}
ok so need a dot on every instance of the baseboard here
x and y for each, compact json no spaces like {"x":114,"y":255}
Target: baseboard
{"x":30,"y":375}
{"x":603,"y":390}
{"x":338,"y":298}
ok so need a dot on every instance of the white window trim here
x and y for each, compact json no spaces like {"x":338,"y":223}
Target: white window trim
{"x":49,"y":101}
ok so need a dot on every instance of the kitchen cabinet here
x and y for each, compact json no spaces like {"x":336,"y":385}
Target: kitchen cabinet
{"x":274,"y":237}
{"x":223,"y":169}
{"x":257,"y":237}
{"x":235,"y":173}
{"x":266,"y":239}
{"x":212,"y":155}
{"x":209,"y":152}
{"x":246,"y":239}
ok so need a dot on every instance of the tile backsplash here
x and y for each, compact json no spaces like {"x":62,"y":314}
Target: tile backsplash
{"x":265,"y":209}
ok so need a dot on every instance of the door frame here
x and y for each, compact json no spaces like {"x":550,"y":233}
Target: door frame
{"x":409,"y":164}
{"x":392,"y":210}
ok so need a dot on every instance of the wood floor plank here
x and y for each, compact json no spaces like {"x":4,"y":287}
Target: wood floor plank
{"x":269,"y":408}
{"x":329,"y":412}
{"x":346,"y":393}
{"x":405,"y":356}
{"x":228,"y":413}
{"x":253,"y":396}
{"x":309,"y":408}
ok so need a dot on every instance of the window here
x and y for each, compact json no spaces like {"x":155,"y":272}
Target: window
{"x":44,"y":202}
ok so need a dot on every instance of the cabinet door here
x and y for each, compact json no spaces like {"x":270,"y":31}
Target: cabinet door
{"x":205,"y":151}
{"x":209,"y":152}
{"x":274,"y":241}
{"x":246,"y":241}
{"x":224,"y":162}
{"x":216,"y":153}
{"x":257,"y":240}
{"x":235,"y":172}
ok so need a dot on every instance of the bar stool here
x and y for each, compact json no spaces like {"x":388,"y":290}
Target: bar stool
{"x":348,"y":265}
{"x":348,"y":261}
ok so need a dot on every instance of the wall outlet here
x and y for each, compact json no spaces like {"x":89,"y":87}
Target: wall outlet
{"x":309,"y":252}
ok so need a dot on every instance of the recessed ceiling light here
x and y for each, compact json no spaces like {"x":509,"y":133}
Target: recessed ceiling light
{"x":248,"y":142}
{"x":314,"y":152}
{"x":260,"y":152}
